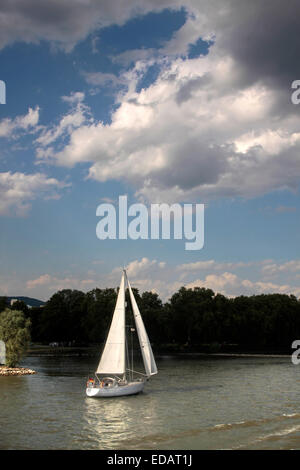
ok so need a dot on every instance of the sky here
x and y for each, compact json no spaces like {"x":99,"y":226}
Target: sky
{"x":165,"y":102}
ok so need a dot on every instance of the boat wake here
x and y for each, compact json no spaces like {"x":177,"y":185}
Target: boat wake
{"x":254,"y":422}
{"x":273,"y":436}
{"x":152,"y":440}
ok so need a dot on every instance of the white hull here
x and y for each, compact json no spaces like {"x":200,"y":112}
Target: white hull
{"x":115,"y":391}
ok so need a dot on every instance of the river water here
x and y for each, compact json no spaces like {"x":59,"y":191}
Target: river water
{"x":193,"y":403}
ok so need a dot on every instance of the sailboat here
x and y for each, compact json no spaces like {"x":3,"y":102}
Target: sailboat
{"x":113,"y":377}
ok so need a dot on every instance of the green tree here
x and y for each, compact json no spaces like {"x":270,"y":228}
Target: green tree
{"x":20,"y":305}
{"x":35,"y":314}
{"x":15,"y":332}
{"x":3,"y":303}
{"x":188,"y":307}
{"x":99,"y":307}
{"x":62,"y":317}
{"x":152,"y":312}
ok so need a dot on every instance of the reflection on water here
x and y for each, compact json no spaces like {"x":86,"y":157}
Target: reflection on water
{"x":191,"y":404}
{"x":110,"y":422}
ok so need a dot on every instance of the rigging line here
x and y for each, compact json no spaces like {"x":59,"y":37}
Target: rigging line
{"x":136,"y":372}
{"x":131,"y":351}
{"x":127,"y":353}
{"x":127,"y":358}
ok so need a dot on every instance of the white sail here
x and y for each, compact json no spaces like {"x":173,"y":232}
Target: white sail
{"x":113,"y":357}
{"x":148,"y":358}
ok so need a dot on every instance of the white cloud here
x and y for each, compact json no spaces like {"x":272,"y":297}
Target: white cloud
{"x":51,"y":284}
{"x":17,"y":190}
{"x":137,"y":268}
{"x":164,"y":279}
{"x":74,"y":98}
{"x":212,"y":265}
{"x":8,"y":127}
{"x":208,"y":127}
{"x":103,"y":79}
{"x":146,"y":274}
{"x":284,"y":209}
{"x":78,"y":115}
{"x":231,"y":285}
{"x":192,"y":135}
{"x":277,"y":268}
{"x":218,"y":283}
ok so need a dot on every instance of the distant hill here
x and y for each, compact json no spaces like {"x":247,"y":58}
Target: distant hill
{"x":28,"y":300}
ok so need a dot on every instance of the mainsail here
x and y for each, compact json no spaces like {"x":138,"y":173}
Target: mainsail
{"x":146,"y":349}
{"x":113,"y":357}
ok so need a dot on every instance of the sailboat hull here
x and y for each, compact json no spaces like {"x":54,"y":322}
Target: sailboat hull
{"x":118,"y":390}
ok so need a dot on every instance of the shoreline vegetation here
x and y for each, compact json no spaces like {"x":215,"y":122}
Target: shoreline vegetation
{"x":194,"y":321}
{"x":36,"y":350}
{"x":7,"y":371}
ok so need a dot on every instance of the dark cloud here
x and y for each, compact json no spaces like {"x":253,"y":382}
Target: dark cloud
{"x":262,"y":36}
{"x":203,"y":165}
{"x":185,"y":92}
{"x":65,"y":22}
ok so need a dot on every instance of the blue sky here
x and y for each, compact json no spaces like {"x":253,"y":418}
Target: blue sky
{"x":165,"y":103}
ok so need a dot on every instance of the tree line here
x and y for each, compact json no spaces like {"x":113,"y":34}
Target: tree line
{"x":192,"y":320}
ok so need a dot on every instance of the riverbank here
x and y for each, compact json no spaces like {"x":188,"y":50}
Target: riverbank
{"x":95,"y":350}
{"x":66,"y":351}
{"x":5,"y":371}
